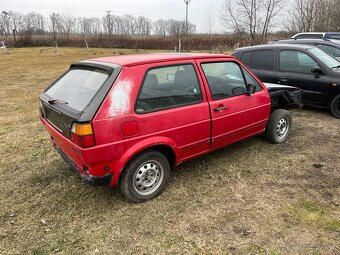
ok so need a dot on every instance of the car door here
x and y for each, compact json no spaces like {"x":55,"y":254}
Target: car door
{"x":234,"y":114}
{"x":172,"y":105}
{"x":262,"y":64}
{"x":294,"y":69}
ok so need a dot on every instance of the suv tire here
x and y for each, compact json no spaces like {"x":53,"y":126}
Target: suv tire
{"x":279,"y":126}
{"x":145,"y":176}
{"x":335,"y":106}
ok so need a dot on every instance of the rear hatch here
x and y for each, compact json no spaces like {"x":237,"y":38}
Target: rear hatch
{"x":77,"y":95}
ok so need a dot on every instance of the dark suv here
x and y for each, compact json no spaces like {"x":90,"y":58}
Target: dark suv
{"x":303,"y":66}
{"x":332,"y":47}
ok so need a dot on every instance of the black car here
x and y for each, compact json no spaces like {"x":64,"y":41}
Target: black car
{"x":303,"y":66}
{"x":332,"y":47}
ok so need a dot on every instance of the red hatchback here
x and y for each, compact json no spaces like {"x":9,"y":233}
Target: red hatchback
{"x":127,"y":120}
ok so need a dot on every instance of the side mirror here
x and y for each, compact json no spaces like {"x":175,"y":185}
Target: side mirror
{"x":251,"y":89}
{"x":316,"y":70}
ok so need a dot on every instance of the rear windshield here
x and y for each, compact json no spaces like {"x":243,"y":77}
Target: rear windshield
{"x":77,"y":87}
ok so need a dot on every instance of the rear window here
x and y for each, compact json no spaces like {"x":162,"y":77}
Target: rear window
{"x":246,"y":57}
{"x":262,"y":59}
{"x":78,"y":87}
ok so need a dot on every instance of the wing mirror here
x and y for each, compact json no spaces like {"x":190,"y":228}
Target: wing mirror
{"x":317,"y":70}
{"x":251,"y":89}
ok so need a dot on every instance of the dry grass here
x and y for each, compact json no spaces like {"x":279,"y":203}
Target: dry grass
{"x":250,"y":198}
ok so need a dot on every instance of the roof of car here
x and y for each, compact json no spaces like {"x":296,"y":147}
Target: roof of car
{"x":309,"y":33}
{"x":274,"y":45}
{"x":315,"y":41}
{"x":138,"y":59}
{"x":300,"y":40}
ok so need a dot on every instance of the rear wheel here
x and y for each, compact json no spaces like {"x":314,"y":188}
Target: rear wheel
{"x":335,"y":106}
{"x":278,"y":126}
{"x":145,"y":176}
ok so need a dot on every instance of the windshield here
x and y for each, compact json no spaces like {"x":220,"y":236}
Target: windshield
{"x":77,"y":87}
{"x":327,"y":59}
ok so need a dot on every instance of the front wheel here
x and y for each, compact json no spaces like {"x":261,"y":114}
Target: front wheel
{"x":145,"y":176}
{"x":279,"y":126}
{"x":335,"y":106}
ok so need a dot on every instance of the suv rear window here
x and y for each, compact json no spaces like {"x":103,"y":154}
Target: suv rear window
{"x":246,"y":57}
{"x":262,"y":59}
{"x":78,"y":87}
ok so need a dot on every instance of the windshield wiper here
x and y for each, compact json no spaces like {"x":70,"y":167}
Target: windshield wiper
{"x":336,"y":67}
{"x":53,"y":101}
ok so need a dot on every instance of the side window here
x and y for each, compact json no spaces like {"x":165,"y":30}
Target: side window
{"x":336,"y":36}
{"x":225,"y":79}
{"x":246,"y":57}
{"x":263,"y":59}
{"x":169,"y":87}
{"x":251,"y":80}
{"x":296,"y":61}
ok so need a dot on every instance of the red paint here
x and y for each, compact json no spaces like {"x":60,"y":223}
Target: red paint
{"x":189,"y":131}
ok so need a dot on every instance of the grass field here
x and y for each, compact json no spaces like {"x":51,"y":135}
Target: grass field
{"x":250,"y":198}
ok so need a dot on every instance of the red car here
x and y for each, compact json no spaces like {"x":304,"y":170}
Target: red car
{"x":127,"y":120}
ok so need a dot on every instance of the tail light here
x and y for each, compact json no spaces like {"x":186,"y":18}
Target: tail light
{"x":82,"y":134}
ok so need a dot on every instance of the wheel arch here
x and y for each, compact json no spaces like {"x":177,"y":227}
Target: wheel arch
{"x":165,"y":146}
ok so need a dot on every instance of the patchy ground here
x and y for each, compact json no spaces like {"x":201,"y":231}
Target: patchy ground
{"x":250,"y":198}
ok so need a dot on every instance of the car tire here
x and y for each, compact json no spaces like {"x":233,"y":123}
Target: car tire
{"x":145,"y":176}
{"x":335,"y":106}
{"x":279,"y":126}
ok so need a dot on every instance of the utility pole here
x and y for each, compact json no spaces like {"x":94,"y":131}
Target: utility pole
{"x":186,"y":16}
{"x":110,"y":28}
{"x":53,"y":26}
{"x":108,"y":15}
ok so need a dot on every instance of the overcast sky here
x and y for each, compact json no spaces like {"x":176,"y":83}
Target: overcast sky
{"x":153,"y":9}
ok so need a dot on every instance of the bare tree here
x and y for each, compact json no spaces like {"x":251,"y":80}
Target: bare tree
{"x":254,"y":17}
{"x":314,"y":15}
{"x":160,"y":27}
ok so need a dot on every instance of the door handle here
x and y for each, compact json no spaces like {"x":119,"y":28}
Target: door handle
{"x":283,"y":79}
{"x":220,"y":108}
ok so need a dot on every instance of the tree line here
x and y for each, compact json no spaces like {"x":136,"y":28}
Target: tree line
{"x":247,"y":21}
{"x":14,"y":23}
{"x":257,"y":18}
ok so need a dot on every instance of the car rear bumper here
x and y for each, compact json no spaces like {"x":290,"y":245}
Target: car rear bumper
{"x":92,"y":180}
{"x":91,"y":165}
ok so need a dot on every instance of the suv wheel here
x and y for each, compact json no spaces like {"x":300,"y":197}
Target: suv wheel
{"x":335,"y":106}
{"x":278,"y":126}
{"x":145,"y":176}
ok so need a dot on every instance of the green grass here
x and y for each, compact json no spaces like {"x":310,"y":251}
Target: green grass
{"x":250,"y":198}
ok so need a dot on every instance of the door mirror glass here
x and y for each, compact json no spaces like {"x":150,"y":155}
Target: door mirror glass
{"x":316,"y":70}
{"x":251,"y":89}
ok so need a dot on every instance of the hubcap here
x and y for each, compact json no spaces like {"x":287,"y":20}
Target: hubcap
{"x":282,"y":128}
{"x":148,"y":178}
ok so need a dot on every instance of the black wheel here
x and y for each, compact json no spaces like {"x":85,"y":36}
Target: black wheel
{"x":278,"y":126}
{"x":145,"y":176}
{"x":335,"y":106}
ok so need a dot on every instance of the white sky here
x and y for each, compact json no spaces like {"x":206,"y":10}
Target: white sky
{"x":153,"y":9}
